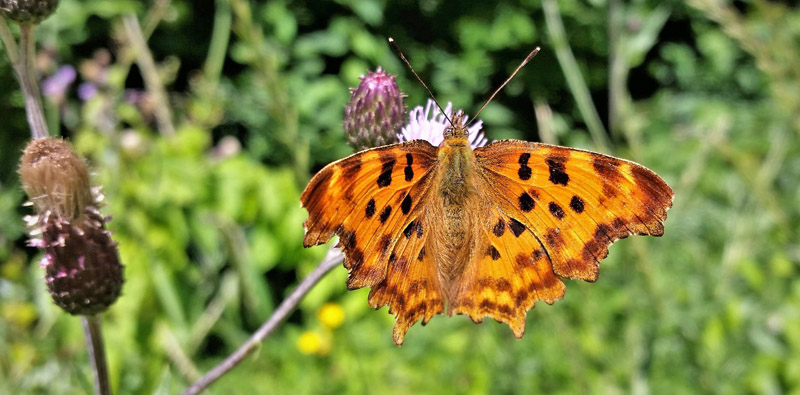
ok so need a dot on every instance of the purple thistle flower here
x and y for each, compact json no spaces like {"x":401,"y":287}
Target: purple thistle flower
{"x":87,"y":90}
{"x":56,"y":85}
{"x":81,"y":262}
{"x":429,"y":124}
{"x":375,"y":113}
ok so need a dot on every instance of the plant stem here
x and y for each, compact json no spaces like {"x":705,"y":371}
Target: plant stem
{"x":617,"y":70}
{"x":544,"y":119}
{"x":572,"y":72}
{"x":92,"y":328}
{"x":30,"y":88}
{"x":9,"y":42}
{"x":21,"y":58}
{"x":154,"y":17}
{"x":281,"y":313}
{"x":218,"y":48}
{"x":152,"y":80}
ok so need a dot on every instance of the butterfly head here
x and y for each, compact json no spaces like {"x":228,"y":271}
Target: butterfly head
{"x":458,"y":130}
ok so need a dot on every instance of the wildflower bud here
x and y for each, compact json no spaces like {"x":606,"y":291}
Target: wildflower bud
{"x":27,"y":11}
{"x":81,"y":262}
{"x":375,"y":113}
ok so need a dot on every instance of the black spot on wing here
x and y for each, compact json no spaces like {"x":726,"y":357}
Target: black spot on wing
{"x":405,"y":206}
{"x":516,"y":227}
{"x":492,"y":252}
{"x":576,"y":204}
{"x":387,"y":211}
{"x":558,"y":175}
{"x":556,"y":210}
{"x":409,"y":171}
{"x":526,"y":202}
{"x":499,"y":228}
{"x":370,"y":210}
{"x":524,"y":171}
{"x":388,"y":162}
{"x":410,"y":229}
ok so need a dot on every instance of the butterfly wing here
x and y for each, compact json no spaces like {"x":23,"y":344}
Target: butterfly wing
{"x":508,"y":273}
{"x":373,"y":201}
{"x":556,"y":212}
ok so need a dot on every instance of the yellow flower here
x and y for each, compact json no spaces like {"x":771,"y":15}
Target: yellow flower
{"x":313,"y":343}
{"x":331,"y":315}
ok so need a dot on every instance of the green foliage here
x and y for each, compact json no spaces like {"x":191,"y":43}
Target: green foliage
{"x":210,"y":228}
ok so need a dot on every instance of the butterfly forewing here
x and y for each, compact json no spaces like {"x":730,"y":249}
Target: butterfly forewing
{"x":575,"y":202}
{"x":374,"y":201}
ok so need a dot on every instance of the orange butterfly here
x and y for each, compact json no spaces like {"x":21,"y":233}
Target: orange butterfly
{"x":483,"y":232}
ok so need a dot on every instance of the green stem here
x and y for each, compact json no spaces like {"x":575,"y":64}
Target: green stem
{"x":572,"y":72}
{"x":220,"y":35}
{"x":93,"y":329}
{"x":154,"y":17}
{"x":9,"y":42}
{"x":617,"y":71}
{"x":152,"y":80}
{"x":22,"y":58}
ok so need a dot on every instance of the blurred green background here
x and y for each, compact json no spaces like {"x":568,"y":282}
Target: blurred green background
{"x":206,"y":211}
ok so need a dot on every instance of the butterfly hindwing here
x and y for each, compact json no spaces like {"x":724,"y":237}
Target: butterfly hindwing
{"x":575,"y":202}
{"x":411,"y":287}
{"x":508,"y":273}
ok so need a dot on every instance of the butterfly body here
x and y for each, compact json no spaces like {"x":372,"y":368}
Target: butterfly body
{"x":455,"y":191}
{"x":483,"y":232}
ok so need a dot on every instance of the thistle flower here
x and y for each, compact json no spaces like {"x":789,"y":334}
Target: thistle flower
{"x":27,"y":11}
{"x":82,"y":267}
{"x":375,"y":113}
{"x":429,"y":124}
{"x":56,"y":85}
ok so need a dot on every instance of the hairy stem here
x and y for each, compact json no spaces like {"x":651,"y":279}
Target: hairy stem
{"x":281,"y":313}
{"x":92,"y":328}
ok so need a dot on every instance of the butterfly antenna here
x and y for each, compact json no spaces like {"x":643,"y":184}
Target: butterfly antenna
{"x":521,"y":65}
{"x":399,"y":52}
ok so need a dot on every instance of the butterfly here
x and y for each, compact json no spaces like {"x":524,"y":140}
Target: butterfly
{"x":482,"y":232}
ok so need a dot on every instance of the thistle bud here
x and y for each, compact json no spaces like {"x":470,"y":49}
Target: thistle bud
{"x":27,"y":11}
{"x":81,"y":262}
{"x":375,"y":113}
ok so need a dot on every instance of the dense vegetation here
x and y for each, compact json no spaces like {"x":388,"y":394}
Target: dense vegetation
{"x":205,"y":204}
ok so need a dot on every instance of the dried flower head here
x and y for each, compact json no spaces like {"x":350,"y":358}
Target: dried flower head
{"x":27,"y":11}
{"x":55,"y":178}
{"x":375,"y":113}
{"x":81,"y":262}
{"x":429,"y":123}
